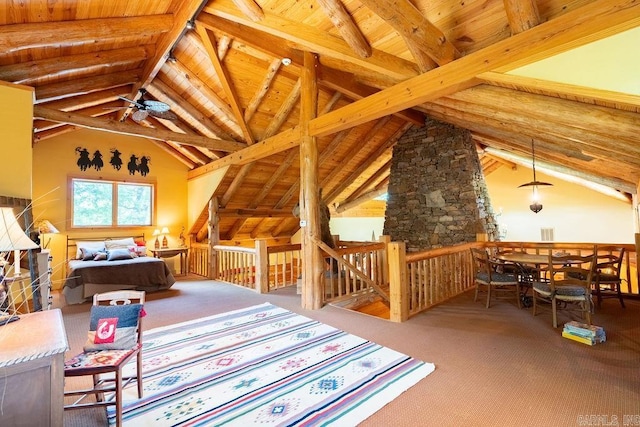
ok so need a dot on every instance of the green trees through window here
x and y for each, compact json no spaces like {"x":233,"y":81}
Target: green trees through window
{"x":111,"y":203}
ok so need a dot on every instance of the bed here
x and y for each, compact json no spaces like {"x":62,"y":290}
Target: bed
{"x":97,"y":265}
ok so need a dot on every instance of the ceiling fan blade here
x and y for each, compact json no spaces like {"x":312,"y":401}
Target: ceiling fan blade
{"x":156,"y":106}
{"x":168,"y":115}
{"x":139,"y":115}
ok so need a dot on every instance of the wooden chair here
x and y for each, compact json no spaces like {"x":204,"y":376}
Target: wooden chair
{"x":569,"y":282}
{"x":606,"y":276}
{"x":105,"y":363}
{"x":486,"y":273}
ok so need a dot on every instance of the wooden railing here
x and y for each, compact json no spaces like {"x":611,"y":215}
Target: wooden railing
{"x":285,"y":265}
{"x":237,"y":265}
{"x":433,"y":276}
{"x":437,"y":275}
{"x":412,"y":283}
{"x":356,"y":270}
{"x":199,"y":259}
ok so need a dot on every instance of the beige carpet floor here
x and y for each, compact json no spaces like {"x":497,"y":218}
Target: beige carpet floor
{"x":494,"y":367}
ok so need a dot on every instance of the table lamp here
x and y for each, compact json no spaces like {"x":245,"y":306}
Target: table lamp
{"x":156,"y":233}
{"x":164,"y":232}
{"x":45,"y":227}
{"x":13,"y":238}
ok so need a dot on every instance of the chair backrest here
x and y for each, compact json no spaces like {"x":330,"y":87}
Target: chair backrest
{"x":122,"y":298}
{"x":609,"y":259}
{"x":571,"y":270}
{"x":481,"y":262}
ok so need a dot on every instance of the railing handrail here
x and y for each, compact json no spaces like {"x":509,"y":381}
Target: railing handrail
{"x":284,"y":248}
{"x":235,"y":249}
{"x":433,"y":253}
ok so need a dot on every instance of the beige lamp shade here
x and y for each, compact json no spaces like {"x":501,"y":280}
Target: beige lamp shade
{"x":45,"y":227}
{"x":12,"y":237}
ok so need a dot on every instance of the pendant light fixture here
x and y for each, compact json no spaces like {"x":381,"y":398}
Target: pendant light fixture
{"x":535,"y":205}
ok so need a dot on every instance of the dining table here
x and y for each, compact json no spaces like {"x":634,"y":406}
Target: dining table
{"x":530,"y":268}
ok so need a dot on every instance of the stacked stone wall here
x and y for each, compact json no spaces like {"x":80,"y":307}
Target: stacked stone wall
{"x":437,"y":193}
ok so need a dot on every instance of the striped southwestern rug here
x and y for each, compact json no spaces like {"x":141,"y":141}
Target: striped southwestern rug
{"x":263,"y":365}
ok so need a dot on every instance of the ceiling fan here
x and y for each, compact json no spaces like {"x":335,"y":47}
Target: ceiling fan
{"x":147,"y":107}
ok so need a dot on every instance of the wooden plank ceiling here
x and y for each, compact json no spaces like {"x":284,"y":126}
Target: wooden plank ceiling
{"x":384,"y":65}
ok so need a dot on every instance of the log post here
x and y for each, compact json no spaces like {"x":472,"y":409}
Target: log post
{"x":214,"y":238}
{"x":262,"y":267}
{"x":398,"y":285}
{"x":312,"y":262}
{"x":385,"y":258}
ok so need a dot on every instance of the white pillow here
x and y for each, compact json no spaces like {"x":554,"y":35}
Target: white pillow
{"x":137,"y":250}
{"x":90,"y":246}
{"x":119,"y":243}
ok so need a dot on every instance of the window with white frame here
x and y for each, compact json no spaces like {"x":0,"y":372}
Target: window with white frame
{"x":104,"y":203}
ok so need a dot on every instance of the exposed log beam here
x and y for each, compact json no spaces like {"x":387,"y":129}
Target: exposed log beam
{"x":88,"y":100}
{"x":250,"y":8}
{"x":371,"y":159}
{"x":411,"y":24}
{"x":329,"y":78}
{"x":255,"y":213}
{"x":277,"y":121}
{"x":88,"y":63}
{"x":199,"y":120}
{"x":114,"y":126}
{"x":621,"y":100}
{"x":235,"y":229}
{"x":263,"y":89}
{"x":522,"y":15}
{"x":52,"y":133}
{"x":185,"y":11}
{"x":208,"y":39}
{"x":526,"y":161}
{"x":374,"y":180}
{"x":61,"y":90}
{"x":573,"y":29}
{"x":42,"y":34}
{"x":282,"y":168}
{"x":345,"y":25}
{"x":350,"y":155}
{"x":220,"y":106}
{"x":346,"y":84}
{"x":281,"y":142}
{"x":582,"y":141}
{"x":342,"y":207}
{"x":317,"y":41}
{"x":283,"y":112}
{"x":589,"y":124}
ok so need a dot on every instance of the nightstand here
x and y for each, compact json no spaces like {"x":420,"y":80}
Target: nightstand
{"x":170,"y":253}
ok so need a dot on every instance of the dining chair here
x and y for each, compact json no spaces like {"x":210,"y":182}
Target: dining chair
{"x":114,"y":338}
{"x":606,"y":276}
{"x":490,"y":273}
{"x":568,"y":282}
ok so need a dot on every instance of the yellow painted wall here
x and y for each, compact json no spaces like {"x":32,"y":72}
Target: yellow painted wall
{"x":200,"y":190}
{"x":54,"y":160}
{"x":16,"y":122}
{"x":576,"y":214}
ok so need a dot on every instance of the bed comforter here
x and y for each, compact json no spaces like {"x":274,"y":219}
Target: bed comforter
{"x":145,"y":273}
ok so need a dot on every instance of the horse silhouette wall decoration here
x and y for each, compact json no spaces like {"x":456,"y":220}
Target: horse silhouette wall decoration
{"x":84,"y":162}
